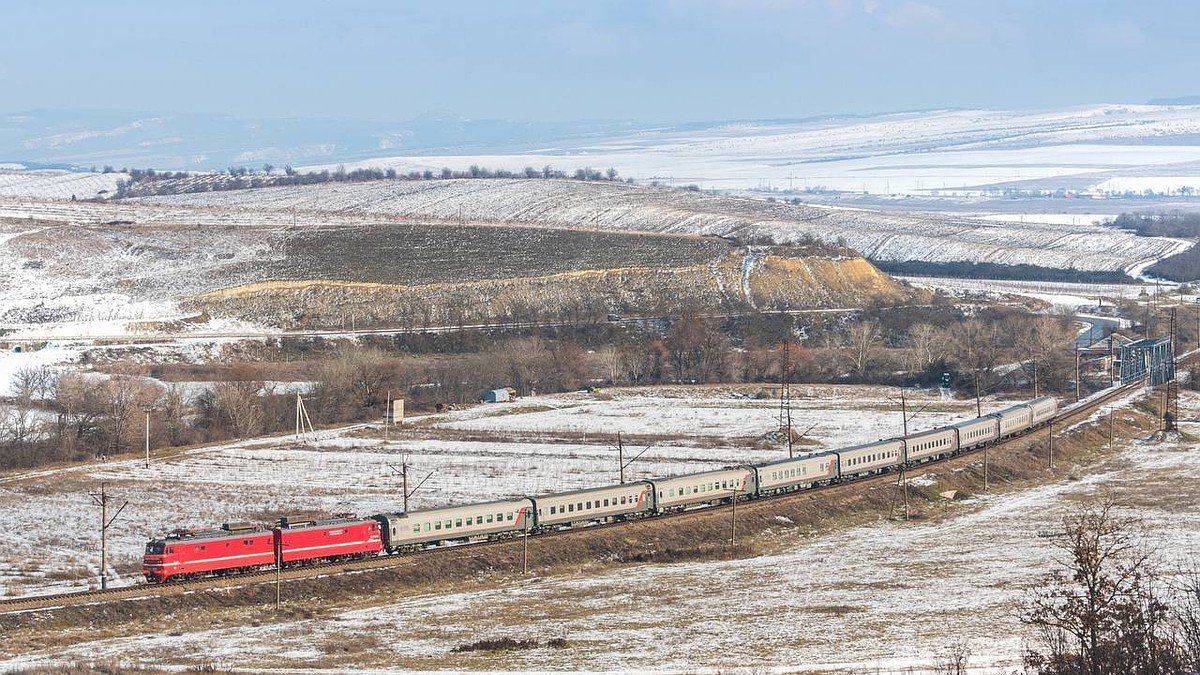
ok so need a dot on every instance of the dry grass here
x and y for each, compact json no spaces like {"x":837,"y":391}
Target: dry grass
{"x":699,"y":536}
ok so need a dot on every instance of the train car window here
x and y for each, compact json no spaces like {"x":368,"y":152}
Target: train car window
{"x":510,"y":516}
{"x":448,"y":523}
{"x":499,"y":517}
{"x":490,"y":515}
{"x":571,"y":507}
{"x":553,"y":510}
{"x":589,"y":505}
{"x":458,"y":522}
{"x":416,"y":529}
{"x":426,"y":527}
{"x":437,"y":525}
{"x":606,"y":501}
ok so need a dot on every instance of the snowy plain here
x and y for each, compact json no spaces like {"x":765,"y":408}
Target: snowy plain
{"x":961,"y":152}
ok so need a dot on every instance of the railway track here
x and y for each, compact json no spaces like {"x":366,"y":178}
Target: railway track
{"x":141,"y":591}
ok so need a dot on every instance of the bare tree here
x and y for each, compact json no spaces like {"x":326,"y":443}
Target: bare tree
{"x":123,"y":398}
{"x":352,"y":383}
{"x":926,"y":343}
{"x":609,"y":359}
{"x":241,"y":403}
{"x":1099,"y":613}
{"x":955,"y":660}
{"x":1188,"y":621}
{"x":864,"y":339}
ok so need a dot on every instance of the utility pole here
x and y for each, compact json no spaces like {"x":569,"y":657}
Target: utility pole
{"x":733,"y":521}
{"x":903,"y":480}
{"x":101,"y":499}
{"x":621,"y":458}
{"x":403,"y":471}
{"x":1110,"y":428}
{"x":525,"y":547}
{"x":1077,"y":372}
{"x":1171,"y":416}
{"x":1035,"y":380}
{"x":978,"y":405}
{"x":302,"y":420}
{"x":1050,"y":453}
{"x":985,"y":467}
{"x":785,"y":399}
{"x":146,"y":409}
{"x":277,"y":545}
{"x":1110,"y":359}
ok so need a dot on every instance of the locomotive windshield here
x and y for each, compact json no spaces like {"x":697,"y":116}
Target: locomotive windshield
{"x":154,"y":548}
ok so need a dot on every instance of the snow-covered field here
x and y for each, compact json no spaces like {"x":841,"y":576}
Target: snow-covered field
{"x":338,"y":471}
{"x":877,"y":235}
{"x":963,"y":152}
{"x":971,"y":152}
{"x":57,"y":184}
{"x":890,"y":597}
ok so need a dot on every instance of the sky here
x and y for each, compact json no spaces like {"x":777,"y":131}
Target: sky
{"x":641,"y":60}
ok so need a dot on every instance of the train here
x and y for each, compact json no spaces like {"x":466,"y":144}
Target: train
{"x":236,"y":548}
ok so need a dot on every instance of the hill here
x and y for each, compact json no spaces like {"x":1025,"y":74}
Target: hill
{"x":612,"y":206}
{"x":81,"y":262}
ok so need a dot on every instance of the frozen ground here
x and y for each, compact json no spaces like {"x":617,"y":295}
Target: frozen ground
{"x":884,"y":598}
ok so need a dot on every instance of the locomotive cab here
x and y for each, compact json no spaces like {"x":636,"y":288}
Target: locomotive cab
{"x":152,"y":563}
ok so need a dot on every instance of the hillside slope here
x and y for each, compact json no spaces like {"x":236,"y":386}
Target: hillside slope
{"x":143,"y":264}
{"x":734,"y":283}
{"x":619,"y":206}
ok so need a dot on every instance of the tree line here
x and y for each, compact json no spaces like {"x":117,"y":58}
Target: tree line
{"x":1181,"y":267}
{"x":67,"y":416}
{"x":149,"y":182}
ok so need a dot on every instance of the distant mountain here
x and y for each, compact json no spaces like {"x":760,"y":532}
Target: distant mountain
{"x":174,"y":141}
{"x":1182,"y":100}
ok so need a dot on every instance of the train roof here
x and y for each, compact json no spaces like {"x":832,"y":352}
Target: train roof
{"x":800,"y":458}
{"x":226,"y":530}
{"x":581,"y":491}
{"x":873,"y":444}
{"x":455,"y":507}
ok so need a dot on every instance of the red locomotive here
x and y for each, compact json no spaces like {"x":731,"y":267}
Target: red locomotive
{"x":186,"y":554}
{"x":302,"y":541}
